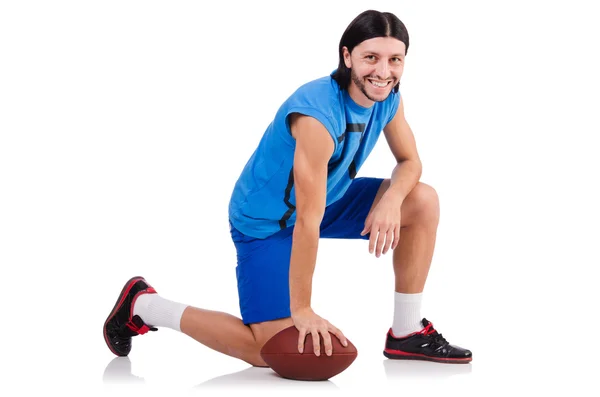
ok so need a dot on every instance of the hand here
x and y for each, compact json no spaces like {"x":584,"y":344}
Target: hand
{"x":384,"y":225}
{"x":306,"y":321}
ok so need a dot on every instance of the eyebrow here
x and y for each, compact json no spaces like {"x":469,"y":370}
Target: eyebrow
{"x":376,"y":53}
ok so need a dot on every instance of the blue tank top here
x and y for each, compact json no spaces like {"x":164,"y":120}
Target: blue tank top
{"x":263,"y":198}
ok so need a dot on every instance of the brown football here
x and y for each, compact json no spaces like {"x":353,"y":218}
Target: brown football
{"x":281,"y":354}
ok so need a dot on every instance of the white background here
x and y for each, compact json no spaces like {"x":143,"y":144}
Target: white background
{"x":124,"y":126}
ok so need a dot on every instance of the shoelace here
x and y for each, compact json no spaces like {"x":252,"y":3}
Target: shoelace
{"x":436,"y":338}
{"x":139,"y":328}
{"x":137,"y":325}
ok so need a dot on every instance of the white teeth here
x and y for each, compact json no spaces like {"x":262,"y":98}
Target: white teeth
{"x":377,"y":84}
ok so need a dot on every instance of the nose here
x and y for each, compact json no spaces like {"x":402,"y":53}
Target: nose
{"x":383,"y":69}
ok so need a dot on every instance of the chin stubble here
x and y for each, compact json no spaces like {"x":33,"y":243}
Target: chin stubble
{"x":361,"y":86}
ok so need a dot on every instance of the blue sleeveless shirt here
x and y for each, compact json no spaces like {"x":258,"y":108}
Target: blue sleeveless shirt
{"x":263,"y":198}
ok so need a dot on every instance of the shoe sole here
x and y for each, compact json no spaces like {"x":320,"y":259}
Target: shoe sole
{"x":120,"y":299}
{"x":422,"y":357}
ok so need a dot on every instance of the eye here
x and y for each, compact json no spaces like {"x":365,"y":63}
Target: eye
{"x":370,"y":57}
{"x":396,"y":60}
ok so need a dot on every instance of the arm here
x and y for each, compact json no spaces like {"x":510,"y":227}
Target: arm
{"x":407,"y":172}
{"x":384,"y":221}
{"x":314,"y":147}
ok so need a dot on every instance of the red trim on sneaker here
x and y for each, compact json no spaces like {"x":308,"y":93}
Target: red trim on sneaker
{"x":124,"y":294}
{"x":406,"y":354}
{"x":132,"y":326}
{"x":140,"y":330}
{"x":428,"y":330}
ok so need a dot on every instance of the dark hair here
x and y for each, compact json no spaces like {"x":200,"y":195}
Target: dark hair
{"x":367,"y":25}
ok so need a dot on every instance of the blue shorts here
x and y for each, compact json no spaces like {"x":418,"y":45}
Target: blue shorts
{"x":263,"y":264}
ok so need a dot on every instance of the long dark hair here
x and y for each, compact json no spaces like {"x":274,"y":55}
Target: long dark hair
{"x":367,"y":25}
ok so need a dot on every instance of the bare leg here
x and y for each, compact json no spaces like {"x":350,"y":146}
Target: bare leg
{"x":412,"y":258}
{"x":420,"y":217}
{"x":410,"y":337}
{"x":227,"y":334}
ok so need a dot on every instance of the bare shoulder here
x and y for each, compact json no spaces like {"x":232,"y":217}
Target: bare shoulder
{"x":311,"y":134}
{"x":302,"y":123}
{"x":399,"y":117}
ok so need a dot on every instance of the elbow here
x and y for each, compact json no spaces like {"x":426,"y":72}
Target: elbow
{"x":309,"y":218}
{"x":418,"y":168}
{"x":308,"y":221}
{"x":307,"y":229}
{"x":417,"y":164}
{"x":414,"y":164}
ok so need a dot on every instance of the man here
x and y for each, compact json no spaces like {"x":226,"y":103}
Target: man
{"x":299,"y":186}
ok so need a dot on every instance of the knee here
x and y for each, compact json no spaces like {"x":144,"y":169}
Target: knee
{"x":256,"y":360}
{"x":252,"y":355}
{"x":262,"y":332}
{"x":425,"y":203}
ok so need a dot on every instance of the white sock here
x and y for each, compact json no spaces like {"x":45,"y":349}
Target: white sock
{"x":407,"y":314}
{"x":159,"y":312}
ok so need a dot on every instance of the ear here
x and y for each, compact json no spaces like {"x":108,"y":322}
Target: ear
{"x":347,"y":58}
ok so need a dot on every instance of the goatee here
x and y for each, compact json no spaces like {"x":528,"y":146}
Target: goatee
{"x":361,"y":86}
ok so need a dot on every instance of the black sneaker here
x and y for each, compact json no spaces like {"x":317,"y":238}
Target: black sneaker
{"x":121,"y":326}
{"x":426,"y":344}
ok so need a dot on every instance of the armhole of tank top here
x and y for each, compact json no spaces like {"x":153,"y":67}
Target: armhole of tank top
{"x":317,"y":114}
{"x":395,"y":104}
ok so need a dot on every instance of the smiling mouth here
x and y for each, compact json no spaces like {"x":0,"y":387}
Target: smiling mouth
{"x":379,"y":84}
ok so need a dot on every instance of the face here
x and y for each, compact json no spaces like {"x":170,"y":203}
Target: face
{"x":376,"y":67}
